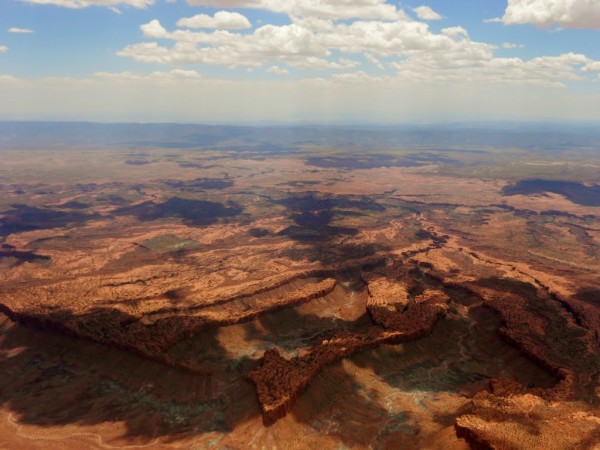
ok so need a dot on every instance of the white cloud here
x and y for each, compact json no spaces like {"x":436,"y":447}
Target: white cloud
{"x":455,"y":32}
{"x":510,"y":45}
{"x":546,"y":13}
{"x":301,"y":45}
{"x":418,"y":54}
{"x":154,"y":29}
{"x":376,"y":62}
{"x":325,"y":9}
{"x":426,"y":13}
{"x":19,"y":30}
{"x":186,"y":96}
{"x":270,"y":43}
{"x":3,"y":48}
{"x":444,"y":71}
{"x":76,"y":4}
{"x":174,"y":75}
{"x":223,"y":20}
{"x":358,"y":77}
{"x":278,"y":70}
{"x":544,"y":71}
{"x":314,"y":63}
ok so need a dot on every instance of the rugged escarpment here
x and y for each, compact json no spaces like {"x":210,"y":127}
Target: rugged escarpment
{"x":279,"y":381}
{"x":281,"y":281}
{"x":151,"y":335}
{"x":528,"y":421}
{"x":540,"y":321}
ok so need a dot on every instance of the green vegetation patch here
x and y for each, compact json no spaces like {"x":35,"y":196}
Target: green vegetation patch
{"x":170,"y":243}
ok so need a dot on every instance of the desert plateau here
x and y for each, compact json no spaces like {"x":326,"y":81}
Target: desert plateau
{"x":228,"y":294}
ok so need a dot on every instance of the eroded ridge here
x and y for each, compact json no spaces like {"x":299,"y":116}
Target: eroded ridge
{"x":396,"y":319}
{"x":537,"y":318}
{"x":301,"y":275}
{"x":151,"y":334}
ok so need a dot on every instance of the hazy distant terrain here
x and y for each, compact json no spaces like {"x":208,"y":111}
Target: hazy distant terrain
{"x":281,"y":138}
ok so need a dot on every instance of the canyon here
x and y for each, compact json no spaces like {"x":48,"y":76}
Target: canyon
{"x":320,"y":298}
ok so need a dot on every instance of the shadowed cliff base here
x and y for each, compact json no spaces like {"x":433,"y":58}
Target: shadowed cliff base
{"x":56,"y":381}
{"x":27,"y":218}
{"x":193,"y":212}
{"x":579,"y":193}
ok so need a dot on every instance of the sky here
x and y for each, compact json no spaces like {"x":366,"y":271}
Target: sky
{"x":302,"y":61}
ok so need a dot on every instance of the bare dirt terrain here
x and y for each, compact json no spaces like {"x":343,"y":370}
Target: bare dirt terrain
{"x":178,"y":298}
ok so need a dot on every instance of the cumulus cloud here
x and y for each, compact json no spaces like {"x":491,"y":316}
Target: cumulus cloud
{"x":175,"y":75}
{"x":3,"y":48}
{"x":546,"y":13}
{"x":417,"y":54}
{"x":223,"y":20}
{"x":510,"y":45}
{"x":19,"y":30}
{"x":154,"y":29}
{"x":593,"y":66}
{"x":426,"y":13}
{"x":325,"y":9}
{"x":305,"y":44}
{"x":313,"y":63}
{"x":376,"y":62}
{"x":544,"y":71}
{"x":186,"y":96}
{"x":270,"y":43}
{"x":77,"y":4}
{"x":359,"y":77}
{"x":278,"y":70}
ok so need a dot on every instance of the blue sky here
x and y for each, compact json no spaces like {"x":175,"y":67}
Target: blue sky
{"x":300,"y":60}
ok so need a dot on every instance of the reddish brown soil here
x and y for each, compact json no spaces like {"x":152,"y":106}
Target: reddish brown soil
{"x":370,"y":308}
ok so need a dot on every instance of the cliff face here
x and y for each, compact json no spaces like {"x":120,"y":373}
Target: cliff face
{"x":535,"y":423}
{"x":279,"y":381}
{"x":153,"y":335}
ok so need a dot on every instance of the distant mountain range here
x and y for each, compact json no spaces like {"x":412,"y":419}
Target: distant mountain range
{"x":288,"y":138}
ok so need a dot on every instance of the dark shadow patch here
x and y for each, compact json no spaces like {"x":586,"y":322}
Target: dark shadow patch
{"x":111,"y":199}
{"x":309,"y":203}
{"x":460,"y":355}
{"x":22,"y":257}
{"x":518,"y":287}
{"x":578,"y":193}
{"x":192,"y":165}
{"x":313,"y":215}
{"x":74,"y":204}
{"x":563,"y":342}
{"x":28,"y":218}
{"x":258,"y":232}
{"x":193,"y":212}
{"x":327,"y":252}
{"x":316,"y":233}
{"x":89,"y":187}
{"x":176,"y":295}
{"x":299,"y":183}
{"x":289,"y":330}
{"x":314,"y":226}
{"x":137,"y":162}
{"x":60,"y":380}
{"x":202,"y":183}
{"x":335,"y":405}
{"x":590,"y":295}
